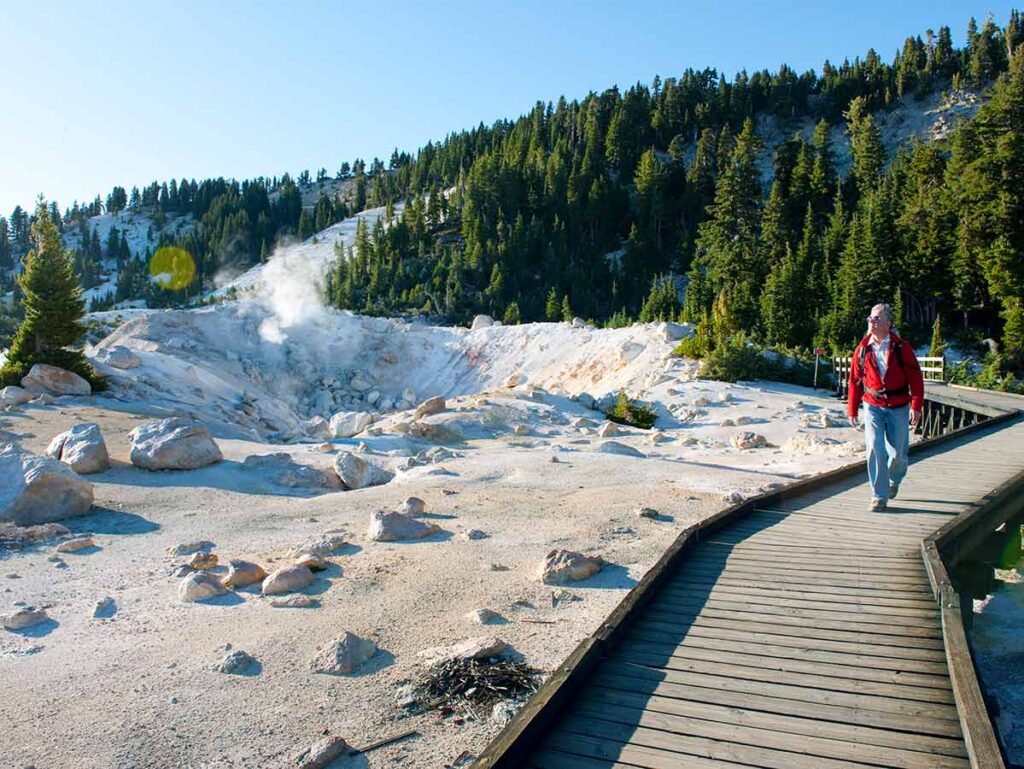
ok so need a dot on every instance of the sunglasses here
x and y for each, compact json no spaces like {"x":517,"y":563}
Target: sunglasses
{"x":877,"y":319}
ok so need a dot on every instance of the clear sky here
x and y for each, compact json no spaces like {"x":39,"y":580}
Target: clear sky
{"x":98,"y":94}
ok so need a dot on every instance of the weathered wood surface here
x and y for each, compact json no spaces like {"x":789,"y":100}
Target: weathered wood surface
{"x":804,"y":632}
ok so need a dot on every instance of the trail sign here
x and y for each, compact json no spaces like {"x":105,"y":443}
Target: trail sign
{"x":819,"y":351}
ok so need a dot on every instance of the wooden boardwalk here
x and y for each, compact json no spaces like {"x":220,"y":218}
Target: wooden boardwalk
{"x":804,"y":634}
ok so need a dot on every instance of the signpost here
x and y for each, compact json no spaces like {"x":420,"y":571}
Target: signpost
{"x":818,"y":352}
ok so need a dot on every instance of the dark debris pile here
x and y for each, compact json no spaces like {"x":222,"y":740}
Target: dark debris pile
{"x":470,"y":688}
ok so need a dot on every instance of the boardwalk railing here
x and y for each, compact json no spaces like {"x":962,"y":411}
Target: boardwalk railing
{"x":940,"y":552}
{"x":933,"y":369}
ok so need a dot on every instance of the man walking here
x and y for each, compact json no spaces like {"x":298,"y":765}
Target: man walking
{"x":884,"y":373}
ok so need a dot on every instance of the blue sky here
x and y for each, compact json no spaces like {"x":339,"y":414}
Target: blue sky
{"x":112,"y":93}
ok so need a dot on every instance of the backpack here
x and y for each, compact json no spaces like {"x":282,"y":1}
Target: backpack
{"x":897,"y":351}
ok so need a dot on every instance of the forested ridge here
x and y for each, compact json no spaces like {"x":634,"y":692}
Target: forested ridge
{"x":607,"y":207}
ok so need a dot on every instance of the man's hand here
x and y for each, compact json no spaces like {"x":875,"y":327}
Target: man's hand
{"x":854,"y":422}
{"x":915,"y":417}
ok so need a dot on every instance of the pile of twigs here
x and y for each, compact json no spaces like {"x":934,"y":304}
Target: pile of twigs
{"x":470,"y":688}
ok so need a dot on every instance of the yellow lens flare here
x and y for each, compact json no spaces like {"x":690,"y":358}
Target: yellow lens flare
{"x":172,"y":268}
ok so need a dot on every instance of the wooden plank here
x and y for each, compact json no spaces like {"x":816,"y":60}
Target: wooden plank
{"x":919,"y":648}
{"x":783,"y":575}
{"x":723,"y":557}
{"x":668,"y":613}
{"x":727,"y":579}
{"x":762,"y":658}
{"x":765,"y":732}
{"x":596,"y":748}
{"x":813,"y":553}
{"x":784,"y":691}
{"x":858,"y":656}
{"x":700,"y":746}
{"x":555,"y":759}
{"x":776,"y":674}
{"x":736,"y":537}
{"x":905,"y":726}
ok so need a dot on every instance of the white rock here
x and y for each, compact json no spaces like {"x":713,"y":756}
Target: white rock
{"x":825,"y":419}
{"x":175,"y":443}
{"x":344,"y":655}
{"x":673,"y":332}
{"x":283,"y":470}
{"x":322,"y":753}
{"x":647,"y":512}
{"x":561,"y":566}
{"x":75,"y":544}
{"x":36,"y":489}
{"x":243,"y":573}
{"x":317,"y":427}
{"x":295,"y":601}
{"x":608,"y":429}
{"x":203,"y":561}
{"x":393,"y":527}
{"x":748,"y":441}
{"x":121,"y":357}
{"x":345,"y":424}
{"x":287,"y":579}
{"x":198,"y":586}
{"x":483,"y":616}
{"x":744,"y":420}
{"x":482,"y":321}
{"x":430,"y":406}
{"x":24,"y":617}
{"x":43,"y":378}
{"x":412,"y":506}
{"x":614,"y":447}
{"x":733,"y":497}
{"x":727,"y":422}
{"x":358,"y":473}
{"x":321,"y":546}
{"x":470,"y":649}
{"x":579,"y":323}
{"x":104,"y":608}
{"x":187,"y":548}
{"x":14,"y":396}
{"x":81,"y":448}
{"x":373,"y":396}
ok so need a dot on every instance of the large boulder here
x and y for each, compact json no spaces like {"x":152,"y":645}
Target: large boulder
{"x":121,"y":357}
{"x":614,"y":447}
{"x":81,"y":448}
{"x":393,"y":527}
{"x":358,"y":473}
{"x":345,"y":424}
{"x":281,"y":469}
{"x":175,"y":443}
{"x":43,"y":378}
{"x":199,"y":586}
{"x":14,"y":396}
{"x":434,"y":405}
{"x":343,"y":655}
{"x":482,"y":321}
{"x":561,"y":566}
{"x":36,"y":489}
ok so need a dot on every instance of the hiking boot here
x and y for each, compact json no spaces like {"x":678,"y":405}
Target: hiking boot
{"x":877,"y":505}
{"x":894,"y":489}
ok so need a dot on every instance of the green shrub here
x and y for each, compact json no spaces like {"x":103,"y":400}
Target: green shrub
{"x":630,"y":412}
{"x":737,"y":358}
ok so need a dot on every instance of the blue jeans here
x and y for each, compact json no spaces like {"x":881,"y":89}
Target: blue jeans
{"x":887,"y":436}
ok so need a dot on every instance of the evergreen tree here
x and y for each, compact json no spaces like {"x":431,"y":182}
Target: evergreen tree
{"x":511,"y":316}
{"x":552,"y":310}
{"x":53,"y":308}
{"x":567,"y":315}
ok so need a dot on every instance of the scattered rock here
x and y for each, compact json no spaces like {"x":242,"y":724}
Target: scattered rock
{"x":825,"y":419}
{"x":673,"y":332}
{"x":343,"y":655}
{"x":311,"y":562}
{"x":104,"y":608}
{"x":499,"y":567}
{"x":322,"y":753}
{"x":744,"y":420}
{"x":296,"y":601}
{"x":727,"y":422}
{"x":521,"y":429}
{"x":322,"y":545}
{"x":81,"y":448}
{"x":647,"y":512}
{"x":562,"y":595}
{"x":614,"y":447}
{"x":238,"y":663}
{"x":24,"y":618}
{"x":287,"y":579}
{"x":474,"y":534}
{"x":283,"y":470}
{"x":199,"y":586}
{"x":608,"y":429}
{"x":733,"y":497}
{"x":36,"y":489}
{"x":579,"y":323}
{"x":430,"y":406}
{"x":482,"y":321}
{"x":188,"y":548}
{"x":483,"y":616}
{"x":43,"y":378}
{"x":345,"y":424}
{"x":75,"y":544}
{"x":412,"y":506}
{"x":121,"y":357}
{"x":175,"y":443}
{"x":14,"y":396}
{"x":561,"y":566}
{"x":392,"y":527}
{"x":504,"y":711}
{"x":582,"y":422}
{"x":358,"y":473}
{"x":471,"y":649}
{"x":748,"y":441}
{"x":243,"y":573}
{"x":699,"y":401}
{"x":203,"y":561}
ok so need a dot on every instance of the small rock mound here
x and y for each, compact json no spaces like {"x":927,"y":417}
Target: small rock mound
{"x":388,"y":526}
{"x":238,"y":663}
{"x":345,"y":424}
{"x":413,"y":506}
{"x":434,"y":405}
{"x":25,"y":617}
{"x":199,"y":586}
{"x":344,"y":655}
{"x":561,"y":566}
{"x":358,"y":473}
{"x":175,"y":443}
{"x":243,"y":573}
{"x":614,"y":447}
{"x":287,"y":579}
{"x":81,"y":448}
{"x":282,"y":470}
{"x":746,"y":440}
{"x":322,"y":753}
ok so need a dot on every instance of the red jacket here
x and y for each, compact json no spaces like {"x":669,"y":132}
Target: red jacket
{"x":903,"y":380}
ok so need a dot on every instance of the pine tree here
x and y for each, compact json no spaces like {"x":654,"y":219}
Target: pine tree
{"x":552,"y":310}
{"x":53,"y":309}
{"x":511,"y":316}
{"x":567,"y":315}
{"x":938,"y":348}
